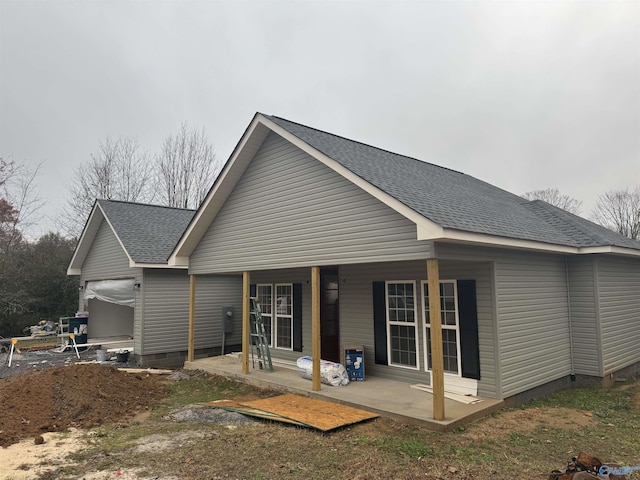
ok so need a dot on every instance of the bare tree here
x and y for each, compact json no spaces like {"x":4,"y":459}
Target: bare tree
{"x":187,"y":167}
{"x":619,"y":210}
{"x":120,"y":170}
{"x":19,"y":203}
{"x":555,"y":198}
{"x":19,"y":190}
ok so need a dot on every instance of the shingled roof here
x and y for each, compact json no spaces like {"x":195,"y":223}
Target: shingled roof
{"x":454,"y":200}
{"x":147,"y":232}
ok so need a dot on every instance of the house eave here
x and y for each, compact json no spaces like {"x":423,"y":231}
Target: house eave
{"x":611,"y":249}
{"x":133,"y":264}
{"x":481,"y":239}
{"x":179,"y":261}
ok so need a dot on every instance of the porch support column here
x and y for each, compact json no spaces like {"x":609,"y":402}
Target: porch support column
{"x":315,"y":327}
{"x":192,"y":318}
{"x":246,"y":281}
{"x":437,"y":362}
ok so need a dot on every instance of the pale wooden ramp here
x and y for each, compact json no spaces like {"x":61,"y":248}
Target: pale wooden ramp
{"x":298,"y":410}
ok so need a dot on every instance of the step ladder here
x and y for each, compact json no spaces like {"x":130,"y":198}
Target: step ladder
{"x":259,"y":342}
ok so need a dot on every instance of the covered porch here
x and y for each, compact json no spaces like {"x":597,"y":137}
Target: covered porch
{"x":389,"y":398}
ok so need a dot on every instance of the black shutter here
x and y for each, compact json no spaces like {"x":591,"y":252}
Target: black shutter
{"x":297,"y":317}
{"x":380,"y":322}
{"x":468,"y":318}
{"x":252,"y":290}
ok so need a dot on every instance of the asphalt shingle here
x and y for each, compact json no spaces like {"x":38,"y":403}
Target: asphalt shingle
{"x":148,"y":232}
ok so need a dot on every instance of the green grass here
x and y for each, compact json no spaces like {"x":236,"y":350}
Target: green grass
{"x":490,"y":448}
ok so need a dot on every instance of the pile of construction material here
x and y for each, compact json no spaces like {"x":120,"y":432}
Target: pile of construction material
{"x":588,"y":467}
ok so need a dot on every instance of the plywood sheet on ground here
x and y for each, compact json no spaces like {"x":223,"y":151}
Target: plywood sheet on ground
{"x":301,"y":410}
{"x":234,"y":406}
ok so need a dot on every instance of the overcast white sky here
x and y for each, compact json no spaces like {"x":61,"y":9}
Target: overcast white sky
{"x":522,"y":94}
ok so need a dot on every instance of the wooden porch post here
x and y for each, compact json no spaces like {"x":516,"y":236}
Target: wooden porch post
{"x":437,"y":362}
{"x":315,"y":327}
{"x":246,"y":281}
{"x":192,"y":318}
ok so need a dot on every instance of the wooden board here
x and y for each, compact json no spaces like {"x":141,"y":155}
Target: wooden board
{"x":299,"y":410}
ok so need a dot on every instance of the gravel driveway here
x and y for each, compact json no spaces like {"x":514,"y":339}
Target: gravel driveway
{"x":29,"y":361}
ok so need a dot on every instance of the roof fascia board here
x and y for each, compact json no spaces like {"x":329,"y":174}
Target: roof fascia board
{"x":86,"y":240}
{"x":458,"y":236}
{"x":610,"y":249}
{"x":221,"y":189}
{"x":156,"y":265}
{"x":492,"y":240}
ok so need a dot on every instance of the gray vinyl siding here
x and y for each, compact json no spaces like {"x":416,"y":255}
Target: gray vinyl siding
{"x":619,"y":299}
{"x":166,"y":318}
{"x":584,"y":316}
{"x":107,"y":260}
{"x":356,"y":312}
{"x":289,"y":210}
{"x":532,"y":314}
{"x":213,"y":292}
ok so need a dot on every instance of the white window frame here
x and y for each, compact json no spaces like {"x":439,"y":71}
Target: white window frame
{"x":278,"y":316}
{"x":270,"y":315}
{"x":454,"y":382}
{"x":404,"y":324}
{"x":456,"y":327}
{"x":275,"y":316}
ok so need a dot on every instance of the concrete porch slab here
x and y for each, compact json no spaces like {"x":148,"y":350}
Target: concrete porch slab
{"x":388,"y":398}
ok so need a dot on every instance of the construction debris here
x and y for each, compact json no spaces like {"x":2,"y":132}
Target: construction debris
{"x":588,"y":467}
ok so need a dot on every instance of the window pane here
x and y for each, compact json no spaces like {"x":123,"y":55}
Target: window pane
{"x":283,"y":300}
{"x":403,"y":345}
{"x":446,"y":289}
{"x":283,"y":339}
{"x":449,"y":350}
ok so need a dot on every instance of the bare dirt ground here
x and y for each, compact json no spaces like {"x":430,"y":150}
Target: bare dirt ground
{"x":81,"y":396}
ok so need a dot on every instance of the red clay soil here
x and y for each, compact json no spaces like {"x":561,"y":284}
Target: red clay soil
{"x":81,"y":396}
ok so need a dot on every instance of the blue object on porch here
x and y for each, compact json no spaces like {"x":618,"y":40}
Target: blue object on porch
{"x":354,"y":363}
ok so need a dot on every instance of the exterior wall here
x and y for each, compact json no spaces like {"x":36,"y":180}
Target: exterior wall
{"x":584,"y":316}
{"x":289,"y":210}
{"x":619,"y":301}
{"x":356,"y":312}
{"x":109,"y":320}
{"x":107,"y":260}
{"x":532,"y":315}
{"x":165,"y":327}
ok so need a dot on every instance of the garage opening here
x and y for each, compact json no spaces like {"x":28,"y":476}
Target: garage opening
{"x":111,"y":307}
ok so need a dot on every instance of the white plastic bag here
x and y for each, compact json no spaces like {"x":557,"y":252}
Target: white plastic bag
{"x":331,"y":373}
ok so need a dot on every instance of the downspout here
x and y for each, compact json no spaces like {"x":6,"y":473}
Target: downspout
{"x":566,"y":271}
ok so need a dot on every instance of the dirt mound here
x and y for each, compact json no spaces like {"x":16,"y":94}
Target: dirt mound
{"x":81,"y":396}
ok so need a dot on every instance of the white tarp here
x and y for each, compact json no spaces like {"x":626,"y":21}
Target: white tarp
{"x":119,"y":292}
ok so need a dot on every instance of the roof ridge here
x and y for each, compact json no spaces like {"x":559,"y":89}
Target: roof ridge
{"x":126,"y":202}
{"x":366,"y":145}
